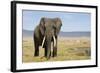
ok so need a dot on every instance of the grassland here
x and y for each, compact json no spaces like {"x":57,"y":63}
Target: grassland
{"x":69,"y":48}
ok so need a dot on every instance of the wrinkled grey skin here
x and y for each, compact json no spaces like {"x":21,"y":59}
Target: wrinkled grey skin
{"x":47,"y":27}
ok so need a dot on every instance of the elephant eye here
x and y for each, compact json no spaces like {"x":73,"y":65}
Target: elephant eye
{"x":54,"y":27}
{"x":61,"y":25}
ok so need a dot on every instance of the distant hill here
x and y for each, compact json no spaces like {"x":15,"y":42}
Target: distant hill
{"x":28,"y":33}
{"x":74,"y":34}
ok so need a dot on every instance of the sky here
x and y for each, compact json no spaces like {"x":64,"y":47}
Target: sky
{"x":71,"y":21}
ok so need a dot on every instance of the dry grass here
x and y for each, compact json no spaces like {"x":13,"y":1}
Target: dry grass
{"x":72,"y":48}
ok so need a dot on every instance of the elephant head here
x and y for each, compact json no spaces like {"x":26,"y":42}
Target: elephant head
{"x":50,"y":26}
{"x":47,"y":29}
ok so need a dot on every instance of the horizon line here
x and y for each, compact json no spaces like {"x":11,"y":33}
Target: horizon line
{"x":61,"y":31}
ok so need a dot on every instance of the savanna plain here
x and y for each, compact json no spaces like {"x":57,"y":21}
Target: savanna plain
{"x":69,"y":48}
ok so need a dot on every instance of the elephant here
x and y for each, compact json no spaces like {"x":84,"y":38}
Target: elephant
{"x":46,"y":32}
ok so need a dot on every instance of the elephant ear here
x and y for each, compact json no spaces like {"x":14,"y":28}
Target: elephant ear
{"x":58,"y":25}
{"x":42,"y":25}
{"x":58,"y":22}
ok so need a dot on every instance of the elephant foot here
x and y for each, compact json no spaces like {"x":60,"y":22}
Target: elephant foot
{"x":54,"y":56}
{"x":36,"y":55}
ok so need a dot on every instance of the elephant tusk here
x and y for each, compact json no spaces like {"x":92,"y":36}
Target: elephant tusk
{"x":43,"y":42}
{"x":54,"y":41}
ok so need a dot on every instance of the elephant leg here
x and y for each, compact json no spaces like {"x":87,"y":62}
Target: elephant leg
{"x":55,"y":50}
{"x":36,"y":53}
{"x":45,"y":51}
